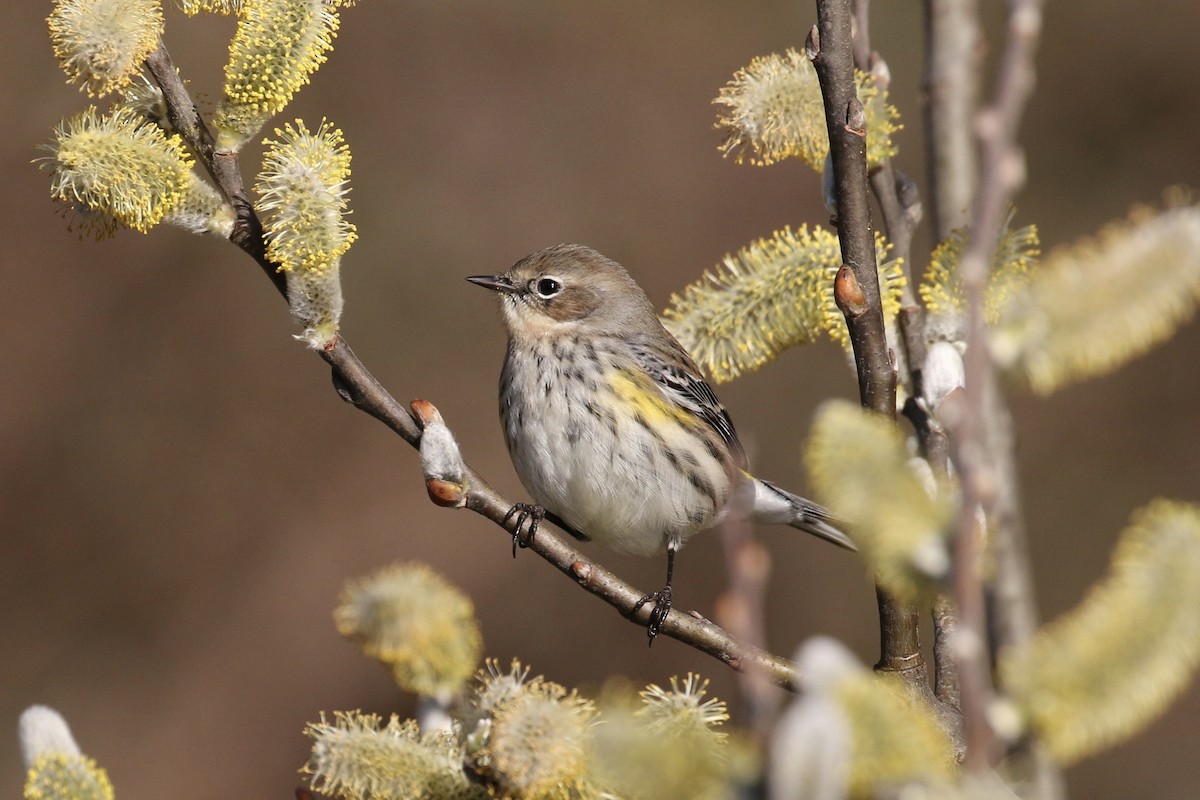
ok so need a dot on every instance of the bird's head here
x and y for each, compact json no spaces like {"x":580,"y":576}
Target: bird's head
{"x":568,"y":289}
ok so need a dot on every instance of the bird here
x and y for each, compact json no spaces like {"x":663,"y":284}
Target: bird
{"x":611,"y":426}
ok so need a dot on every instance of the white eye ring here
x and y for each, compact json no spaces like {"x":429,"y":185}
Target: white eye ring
{"x":546,"y":286}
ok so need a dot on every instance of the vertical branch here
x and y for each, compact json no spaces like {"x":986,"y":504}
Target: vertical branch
{"x":829,"y":47}
{"x":900,"y":639}
{"x":1002,"y":172}
{"x":945,"y":687}
{"x":982,"y":434}
{"x":951,"y":93}
{"x":968,"y":647}
{"x":950,"y":87}
{"x":982,"y":444}
{"x":741,"y":611}
{"x":856,"y":289}
{"x":860,"y":27}
{"x":900,"y":207}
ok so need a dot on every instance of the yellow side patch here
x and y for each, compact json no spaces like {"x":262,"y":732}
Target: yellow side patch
{"x":641,"y":396}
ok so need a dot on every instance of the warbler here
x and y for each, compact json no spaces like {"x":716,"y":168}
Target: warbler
{"x":611,"y":427}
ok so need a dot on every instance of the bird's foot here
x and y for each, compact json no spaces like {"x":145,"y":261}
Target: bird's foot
{"x":658,"y":614}
{"x":528,"y":517}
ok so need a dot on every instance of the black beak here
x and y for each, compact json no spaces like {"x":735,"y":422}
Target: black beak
{"x":497,"y":283}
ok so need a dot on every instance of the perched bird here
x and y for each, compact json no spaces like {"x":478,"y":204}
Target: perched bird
{"x":611,"y":426}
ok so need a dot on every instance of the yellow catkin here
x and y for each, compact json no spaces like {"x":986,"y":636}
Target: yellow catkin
{"x":773,"y":294}
{"x":65,"y":776}
{"x":772,"y":110}
{"x":192,"y":7}
{"x":1103,"y":671}
{"x":859,"y":467}
{"x":895,"y":738}
{"x":101,"y":44}
{"x":672,"y":747}
{"x":277,"y":46}
{"x":1100,"y":303}
{"x":303,"y":186}
{"x":356,"y":757}
{"x":1016,"y":256}
{"x":119,"y":166}
{"x":538,"y":742}
{"x":415,"y":622}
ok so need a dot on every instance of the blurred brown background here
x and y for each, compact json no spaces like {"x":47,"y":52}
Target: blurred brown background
{"x":182,"y":494}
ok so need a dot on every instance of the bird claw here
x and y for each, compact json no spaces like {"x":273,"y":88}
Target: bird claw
{"x":658,"y":614}
{"x":525,"y":513}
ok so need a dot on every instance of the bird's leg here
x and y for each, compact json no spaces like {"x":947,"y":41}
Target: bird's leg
{"x":661,"y":598}
{"x":525,"y":513}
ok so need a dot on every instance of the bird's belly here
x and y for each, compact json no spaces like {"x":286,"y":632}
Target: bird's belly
{"x":609,"y":474}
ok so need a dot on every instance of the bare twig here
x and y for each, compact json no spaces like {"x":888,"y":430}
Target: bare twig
{"x":951,"y":91}
{"x":223,"y":167}
{"x":899,"y":205}
{"x":741,"y":611}
{"x":857,"y":289}
{"x":946,"y":686}
{"x":829,"y":47}
{"x":860,"y":28}
{"x":968,"y":644}
{"x":981,"y":442}
{"x":899,"y":638}
{"x":950,"y":86}
{"x":359,"y":387}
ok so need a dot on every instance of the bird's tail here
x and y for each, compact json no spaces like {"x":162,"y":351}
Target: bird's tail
{"x":774,"y":505}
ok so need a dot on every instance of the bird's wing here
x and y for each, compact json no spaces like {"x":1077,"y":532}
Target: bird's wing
{"x":682,"y":383}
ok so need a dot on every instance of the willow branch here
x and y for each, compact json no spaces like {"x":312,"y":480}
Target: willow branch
{"x":222,"y":167}
{"x":951,"y":92}
{"x":899,"y":203}
{"x":951,"y":89}
{"x":860,"y":33}
{"x":969,"y":641}
{"x":982,"y":446}
{"x":357,"y":386}
{"x":829,"y":48}
{"x":900,"y":207}
{"x":831,"y":45}
{"x":1002,"y":172}
{"x":741,"y":609}
{"x":945,"y":687}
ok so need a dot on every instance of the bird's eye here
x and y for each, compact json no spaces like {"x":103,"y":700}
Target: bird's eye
{"x":547,"y":287}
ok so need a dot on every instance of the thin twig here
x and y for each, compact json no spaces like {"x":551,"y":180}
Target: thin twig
{"x":222,"y":167}
{"x":829,"y":47}
{"x":981,"y":442}
{"x":946,"y":686}
{"x":860,"y":27}
{"x":741,"y":611}
{"x":1002,"y":172}
{"x":832,"y":51}
{"x":968,"y":646}
{"x":951,"y":88}
{"x":899,"y":206}
{"x":359,"y":387}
